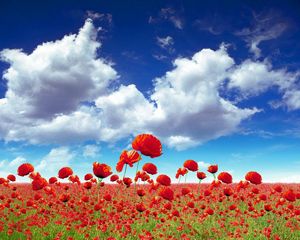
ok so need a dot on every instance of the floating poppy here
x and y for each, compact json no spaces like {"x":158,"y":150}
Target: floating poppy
{"x":127,"y":157}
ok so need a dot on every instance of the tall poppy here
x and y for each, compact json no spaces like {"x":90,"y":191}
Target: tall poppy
{"x":150,"y":168}
{"x":101,"y":170}
{"x":212,"y":169}
{"x":127,"y":157}
{"x":191,"y":165}
{"x":148,"y":145}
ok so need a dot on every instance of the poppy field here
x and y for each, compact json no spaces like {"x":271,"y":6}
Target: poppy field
{"x":108,"y":204}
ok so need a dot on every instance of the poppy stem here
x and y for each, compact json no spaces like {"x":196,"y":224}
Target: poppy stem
{"x":137,"y":168}
{"x":214,"y":176}
{"x":125,"y":171}
{"x":185,"y":177}
{"x":179,"y":179}
{"x":99,"y":183}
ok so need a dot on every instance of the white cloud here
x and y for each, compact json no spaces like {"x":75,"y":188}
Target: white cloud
{"x":170,"y":15}
{"x":17,"y":162}
{"x":265,"y":26}
{"x":185,"y":108}
{"x":91,"y":150}
{"x":165,"y":43}
{"x":54,"y":160}
{"x":56,"y":77}
{"x":252,"y":78}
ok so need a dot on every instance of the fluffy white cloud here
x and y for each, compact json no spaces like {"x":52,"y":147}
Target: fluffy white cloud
{"x":56,"y":77}
{"x":252,"y":78}
{"x":66,"y":97}
{"x":54,"y":160}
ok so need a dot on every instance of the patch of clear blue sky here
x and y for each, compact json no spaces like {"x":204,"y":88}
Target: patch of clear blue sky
{"x":130,"y":43}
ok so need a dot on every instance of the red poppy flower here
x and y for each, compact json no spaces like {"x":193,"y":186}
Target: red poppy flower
{"x":227,"y":192}
{"x":39,"y":183}
{"x":191,"y":165}
{"x":65,"y":172}
{"x":87,"y":185}
{"x":181,"y":172}
{"x":212,"y":169}
{"x":150,"y":168}
{"x":52,"y":180}
{"x":164,"y":180}
{"x":127,"y":181}
{"x":11,"y":177}
{"x":114,"y":178}
{"x":141,"y":192}
{"x":225,"y":177}
{"x":167,"y":193}
{"x":64,"y":197}
{"x":101,"y":170}
{"x":201,"y":175}
{"x":140,"y":207}
{"x":127,"y":157}
{"x":148,"y":145}
{"x":289,"y":195}
{"x":88,"y":176}
{"x":253,"y":177}
{"x":25,"y":169}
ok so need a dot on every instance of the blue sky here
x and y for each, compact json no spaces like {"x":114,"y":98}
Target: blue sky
{"x":217,"y":82}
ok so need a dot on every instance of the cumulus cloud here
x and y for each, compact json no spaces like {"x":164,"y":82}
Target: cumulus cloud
{"x":56,"y":77}
{"x":17,"y":161}
{"x":67,"y":97}
{"x":253,"y":78}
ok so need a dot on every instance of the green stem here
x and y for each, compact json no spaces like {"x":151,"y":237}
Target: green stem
{"x":99,"y":182}
{"x":185,"y":177}
{"x":179,"y":179}
{"x":125,"y":171}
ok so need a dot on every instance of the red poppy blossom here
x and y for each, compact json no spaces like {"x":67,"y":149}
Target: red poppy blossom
{"x":150,"y":168}
{"x":148,"y":145}
{"x":225,"y":177}
{"x":201,"y":175}
{"x":140,"y":207}
{"x":212,"y":169}
{"x":114,"y":178}
{"x":191,"y":165}
{"x":39,"y":183}
{"x":88,"y":176}
{"x":101,"y":170}
{"x":253,"y":177}
{"x":181,"y":172}
{"x":227,"y":192}
{"x":65,"y":172}
{"x":289,"y":195}
{"x":164,"y":180}
{"x":87,"y":185}
{"x":64,"y":197}
{"x":25,"y":169}
{"x":11,"y":177}
{"x":167,"y":193}
{"x":52,"y":180}
{"x":127,"y":181}
{"x":127,"y":157}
